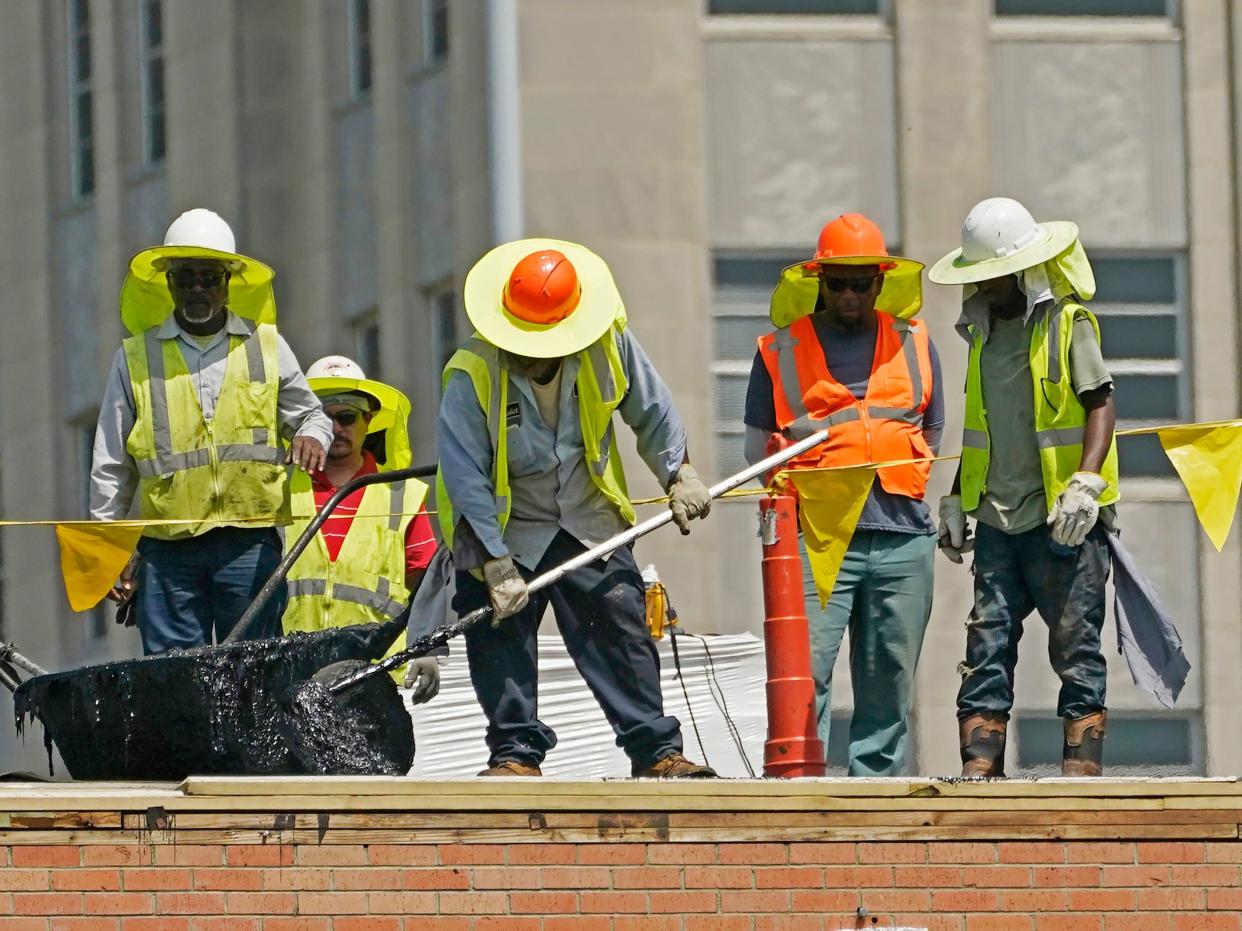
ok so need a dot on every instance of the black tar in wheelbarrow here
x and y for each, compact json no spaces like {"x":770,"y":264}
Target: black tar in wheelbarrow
{"x":307,"y":703}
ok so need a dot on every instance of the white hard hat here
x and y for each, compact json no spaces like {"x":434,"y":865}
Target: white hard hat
{"x":201,"y":228}
{"x":335,"y":367}
{"x":1000,"y":237}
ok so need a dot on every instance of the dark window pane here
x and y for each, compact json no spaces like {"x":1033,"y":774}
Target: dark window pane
{"x":82,"y":57}
{"x":362,"y":17}
{"x":155,"y":83}
{"x":1145,"y":741}
{"x":438,"y":25}
{"x":83,"y":124}
{"x":1082,"y":7}
{"x":156,"y":142}
{"x":369,"y":348}
{"x":1146,"y":397}
{"x":1146,"y":280}
{"x":154,"y":23}
{"x":363,"y":77}
{"x":81,"y":14}
{"x":86,"y":171}
{"x":755,"y":271}
{"x":1138,"y":337}
{"x":801,"y":7}
{"x":1143,"y":456}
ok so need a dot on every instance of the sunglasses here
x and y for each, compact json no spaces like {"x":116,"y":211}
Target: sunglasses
{"x":857,"y":285}
{"x":344,"y":418}
{"x":187,"y":278}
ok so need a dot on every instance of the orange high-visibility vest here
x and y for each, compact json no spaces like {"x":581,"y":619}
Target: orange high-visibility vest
{"x":885,"y":424}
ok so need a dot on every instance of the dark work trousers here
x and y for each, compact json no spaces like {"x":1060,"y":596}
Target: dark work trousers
{"x":189,"y":589}
{"x":1016,"y":574}
{"x":601,"y":613}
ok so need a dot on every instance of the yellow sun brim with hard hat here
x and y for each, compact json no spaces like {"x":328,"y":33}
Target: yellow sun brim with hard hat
{"x":592,"y":308}
{"x":392,"y":417}
{"x":1051,"y":239}
{"x":797,"y":292}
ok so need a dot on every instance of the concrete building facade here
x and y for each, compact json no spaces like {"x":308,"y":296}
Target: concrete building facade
{"x":372,"y":150}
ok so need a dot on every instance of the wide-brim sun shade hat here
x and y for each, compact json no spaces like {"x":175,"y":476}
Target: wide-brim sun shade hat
{"x":850,"y":239}
{"x":542,"y":298}
{"x":1000,"y":237}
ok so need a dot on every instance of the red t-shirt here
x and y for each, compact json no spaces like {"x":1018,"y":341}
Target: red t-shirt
{"x":420,"y":542}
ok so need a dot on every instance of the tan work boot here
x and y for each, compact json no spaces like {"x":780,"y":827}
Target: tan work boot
{"x":1083,"y":752}
{"x":512,"y":768}
{"x":983,"y":744}
{"x":674,"y":766}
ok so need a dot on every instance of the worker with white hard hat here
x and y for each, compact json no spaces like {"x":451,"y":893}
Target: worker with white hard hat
{"x":370,"y":555}
{"x":1038,"y":474}
{"x":198,"y":406}
{"x":530,"y":476}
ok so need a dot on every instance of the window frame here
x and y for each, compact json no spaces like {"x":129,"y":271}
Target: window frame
{"x":361,"y":327}
{"x":152,"y":55}
{"x":360,"y":51}
{"x":1172,"y":14}
{"x":883,"y":12}
{"x":442,"y":308}
{"x":436,"y":11}
{"x":80,"y":145}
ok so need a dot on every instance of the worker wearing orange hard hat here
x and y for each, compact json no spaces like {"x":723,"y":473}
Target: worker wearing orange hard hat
{"x":847,"y":354}
{"x":530,"y":477}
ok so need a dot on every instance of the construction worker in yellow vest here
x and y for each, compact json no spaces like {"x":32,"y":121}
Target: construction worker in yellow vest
{"x":370,"y":555}
{"x":530,"y":476}
{"x":196,"y":411}
{"x":1038,"y":474}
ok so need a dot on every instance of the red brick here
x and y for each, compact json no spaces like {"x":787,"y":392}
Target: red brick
{"x":23,"y":924}
{"x":789,"y":923}
{"x":823,"y":853}
{"x":896,"y":900}
{"x":1032,"y":852}
{"x":646,"y":877}
{"x":368,"y":877}
{"x":1102,"y":900}
{"x":325,"y":855}
{"x":1134,"y":876}
{"x":1224,"y":899}
{"x":86,"y":880}
{"x":609,"y":854}
{"x":85,"y":924}
{"x":577,"y":877}
{"x":961,"y":852}
{"x":1215,"y":922}
{"x":458,"y":854}
{"x":691,"y":853}
{"x":720,"y":877}
{"x":47,"y":903}
{"x":544,"y":854}
{"x":964,"y":900}
{"x":149,"y":880}
{"x":1069,"y":922}
{"x":459,"y":923}
{"x":999,"y":923}
{"x":294,"y":879}
{"x":753,"y":854}
{"x":25,"y":880}
{"x":403,"y":855}
{"x":1171,"y":899}
{"x":1119,"y":921}
{"x":825,"y":900}
{"x":301,"y":923}
{"x":755,"y":902}
{"x":577,"y":923}
{"x":716,"y":923}
{"x":261,"y":903}
{"x":333,"y":903}
{"x":892,"y":853}
{"x":1203,"y":875}
{"x":221,"y":879}
{"x":857,"y":877}
{"x":996,"y":877}
{"x":1229,"y":851}
{"x":496,"y":923}
{"x":190,"y":903}
{"x":506,"y":877}
{"x":189,"y":855}
{"x":231,"y":923}
{"x":1099,"y":852}
{"x":672,"y":900}
{"x":439,"y":878}
{"x":116,"y":855}
{"x":369,"y":923}
{"x":926,"y":922}
{"x":536,"y":903}
{"x":401,"y":903}
{"x":789,"y":877}
{"x":1165,"y":852}
{"x":1034,"y":900}
{"x":473,"y":903}
{"x":646,"y":923}
{"x":38,"y":855}
{"x":610,"y":903}
{"x":119,"y":903}
{"x":1066,"y":876}
{"x":266,"y":854}
{"x":927,"y":877}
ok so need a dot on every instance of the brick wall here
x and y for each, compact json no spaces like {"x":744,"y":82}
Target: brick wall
{"x":625,"y":886}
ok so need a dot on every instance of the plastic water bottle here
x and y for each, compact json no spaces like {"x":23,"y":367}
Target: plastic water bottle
{"x":650,"y":576}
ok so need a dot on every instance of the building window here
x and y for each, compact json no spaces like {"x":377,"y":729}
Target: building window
{"x":794,"y":7}
{"x":359,"y":48}
{"x":151,"y":61}
{"x":1084,"y":7}
{"x":367,"y":343}
{"x":437,"y":29}
{"x":443,"y":326}
{"x":1138,"y":744}
{"x":1141,"y":304}
{"x":81,"y":103}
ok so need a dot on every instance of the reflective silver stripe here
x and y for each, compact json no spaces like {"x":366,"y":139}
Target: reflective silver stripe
{"x":247,"y":452}
{"x":896,"y":413}
{"x":254,"y":354}
{"x":607,"y":393}
{"x":299,"y":588}
{"x":910,"y":350}
{"x":600,"y":466}
{"x":1053,"y":323}
{"x":158,"y":388}
{"x":1067,"y":436}
{"x":379,"y":601}
{"x":803,"y":427}
{"x":836,"y":418}
{"x":173,"y":462}
{"x":396,"y":505}
{"x":974,"y":439}
{"x":788,"y":367}
{"x":260,"y":436}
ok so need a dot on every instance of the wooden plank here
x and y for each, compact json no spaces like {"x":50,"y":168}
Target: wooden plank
{"x":42,"y":820}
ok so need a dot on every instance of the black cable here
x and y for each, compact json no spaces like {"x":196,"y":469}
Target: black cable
{"x":673,"y":633}
{"x":718,"y":696}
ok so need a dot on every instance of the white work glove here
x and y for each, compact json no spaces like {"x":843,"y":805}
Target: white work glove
{"x":1076,"y":509}
{"x":423,"y":676}
{"x":955,"y":538}
{"x":688,"y":498}
{"x":506,"y":587}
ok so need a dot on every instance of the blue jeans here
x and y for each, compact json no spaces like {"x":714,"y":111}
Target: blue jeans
{"x":189,"y":589}
{"x":1016,"y":574}
{"x":883,"y":596}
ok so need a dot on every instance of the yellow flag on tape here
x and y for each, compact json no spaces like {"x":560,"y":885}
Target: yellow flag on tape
{"x":1209,"y":460}
{"x":92,"y":555}
{"x":830,"y":502}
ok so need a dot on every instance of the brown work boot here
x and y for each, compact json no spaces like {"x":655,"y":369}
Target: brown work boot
{"x":1083,"y":752}
{"x":983,"y":744}
{"x":512,"y":768}
{"x":674,"y":766}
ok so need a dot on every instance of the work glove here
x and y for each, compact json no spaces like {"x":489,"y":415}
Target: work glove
{"x":127,"y":584}
{"x":505,"y":587}
{"x":1076,"y":509}
{"x":688,"y":498}
{"x":955,"y":538}
{"x":423,"y":676}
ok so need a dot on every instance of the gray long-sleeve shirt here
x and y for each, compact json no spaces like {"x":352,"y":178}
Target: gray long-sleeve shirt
{"x":550,"y":481}
{"x":114,"y":475}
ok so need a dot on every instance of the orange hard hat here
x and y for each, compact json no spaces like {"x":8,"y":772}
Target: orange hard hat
{"x":543,"y":288}
{"x":850,"y":235}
